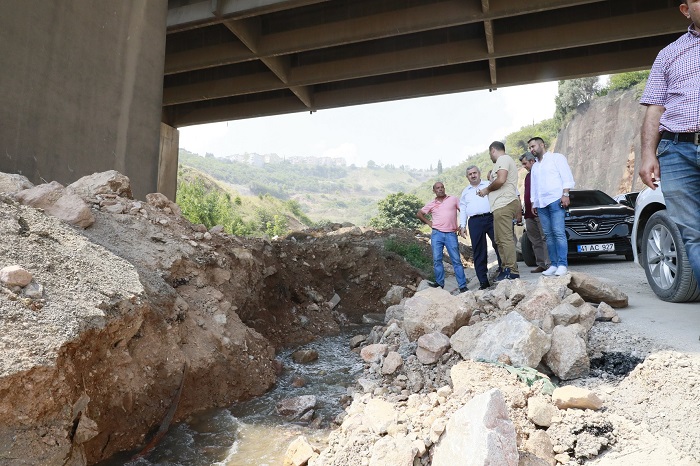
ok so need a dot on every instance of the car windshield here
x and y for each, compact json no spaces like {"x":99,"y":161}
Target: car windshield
{"x":589,"y":198}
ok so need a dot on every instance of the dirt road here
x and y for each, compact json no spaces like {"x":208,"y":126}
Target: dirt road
{"x":675,"y":324}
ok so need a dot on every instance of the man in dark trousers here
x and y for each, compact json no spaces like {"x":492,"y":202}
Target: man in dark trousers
{"x":533,"y":227}
{"x":671,"y":131}
{"x":443,"y":222}
{"x":480,"y":223}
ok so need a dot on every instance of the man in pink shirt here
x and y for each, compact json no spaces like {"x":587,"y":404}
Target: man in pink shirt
{"x":443,"y":212}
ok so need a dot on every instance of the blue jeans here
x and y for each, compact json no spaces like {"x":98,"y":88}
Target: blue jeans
{"x":552,"y":220}
{"x":679,"y":163}
{"x":440,"y":240}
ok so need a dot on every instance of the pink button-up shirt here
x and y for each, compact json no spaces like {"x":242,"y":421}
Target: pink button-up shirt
{"x":444,"y":213}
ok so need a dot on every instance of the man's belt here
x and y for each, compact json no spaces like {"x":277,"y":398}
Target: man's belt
{"x":682,"y":137}
{"x":482,"y":215}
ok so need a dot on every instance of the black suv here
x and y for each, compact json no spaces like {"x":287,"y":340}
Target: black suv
{"x":595,"y":224}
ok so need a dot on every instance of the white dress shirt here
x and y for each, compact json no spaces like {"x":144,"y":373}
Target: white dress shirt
{"x":550,"y":177}
{"x":471,"y":204}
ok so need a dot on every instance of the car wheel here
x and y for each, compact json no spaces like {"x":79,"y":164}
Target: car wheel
{"x":527,"y":251}
{"x":665,"y":261}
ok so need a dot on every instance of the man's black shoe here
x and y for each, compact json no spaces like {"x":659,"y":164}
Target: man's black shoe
{"x":463,"y":290}
{"x":503,"y":275}
{"x":485,"y":286}
{"x":434,"y":285}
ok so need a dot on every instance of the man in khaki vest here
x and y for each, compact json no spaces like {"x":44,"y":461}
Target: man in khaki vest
{"x":503,"y":199}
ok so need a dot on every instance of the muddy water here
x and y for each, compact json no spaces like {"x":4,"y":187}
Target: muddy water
{"x":252,"y":433}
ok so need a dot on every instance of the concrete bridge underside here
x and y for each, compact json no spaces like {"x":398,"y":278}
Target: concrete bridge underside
{"x":94,"y":85}
{"x":231,"y":59}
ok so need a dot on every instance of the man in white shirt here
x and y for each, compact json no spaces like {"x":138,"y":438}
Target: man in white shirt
{"x":505,"y":206}
{"x":549,"y":193}
{"x":480,"y":223}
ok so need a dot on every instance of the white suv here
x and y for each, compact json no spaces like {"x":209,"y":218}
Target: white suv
{"x":658,"y":248}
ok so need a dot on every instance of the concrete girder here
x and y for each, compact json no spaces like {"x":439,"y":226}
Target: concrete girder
{"x":545,"y":39}
{"x":544,"y":71}
{"x":206,"y":12}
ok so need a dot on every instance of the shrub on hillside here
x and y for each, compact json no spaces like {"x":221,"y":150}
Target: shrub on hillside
{"x":397,"y":211}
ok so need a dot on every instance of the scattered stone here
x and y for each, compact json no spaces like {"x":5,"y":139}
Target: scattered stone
{"x":596,"y":291}
{"x":374,"y":352}
{"x":299,"y":452}
{"x":394,"y":295}
{"x":296,"y":406}
{"x":575,"y":397}
{"x":391,"y":363}
{"x":304,"y":356}
{"x":59,"y":202}
{"x":431,"y":347}
{"x":357,"y":340}
{"x":15,"y":275}
{"x":605,"y":312}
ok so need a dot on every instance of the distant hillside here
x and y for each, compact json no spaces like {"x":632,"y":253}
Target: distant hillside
{"x":324,"y":192}
{"x":601,"y":143}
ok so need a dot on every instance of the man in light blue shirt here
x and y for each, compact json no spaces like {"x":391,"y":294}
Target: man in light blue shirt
{"x":549,"y":192}
{"x":477,"y":210}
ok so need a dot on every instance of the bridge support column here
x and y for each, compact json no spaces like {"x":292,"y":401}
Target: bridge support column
{"x":167,"y":160}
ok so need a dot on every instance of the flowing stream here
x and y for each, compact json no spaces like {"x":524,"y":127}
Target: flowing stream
{"x":252,"y":433}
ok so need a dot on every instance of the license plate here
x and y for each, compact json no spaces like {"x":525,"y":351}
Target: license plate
{"x":606,"y":247}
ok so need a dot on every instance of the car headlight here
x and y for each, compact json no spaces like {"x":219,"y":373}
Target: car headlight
{"x":629,"y":220}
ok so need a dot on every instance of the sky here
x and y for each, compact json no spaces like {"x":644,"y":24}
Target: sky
{"x":413,"y":132}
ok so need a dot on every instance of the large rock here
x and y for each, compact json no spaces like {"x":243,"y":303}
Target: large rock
{"x":299,"y":452}
{"x":479,"y":434}
{"x":568,"y":356}
{"x":109,"y":182}
{"x":55,"y":200}
{"x":391,"y":451}
{"x":593,"y":290}
{"x":379,"y":415}
{"x":296,"y":406}
{"x":431,"y":346}
{"x":515,"y":337}
{"x":394,"y":295}
{"x":435,"y":310}
{"x":11,"y":183}
{"x":465,"y":339}
{"x":536,"y":307}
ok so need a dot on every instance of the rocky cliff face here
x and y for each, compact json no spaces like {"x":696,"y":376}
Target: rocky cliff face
{"x":602,"y":143}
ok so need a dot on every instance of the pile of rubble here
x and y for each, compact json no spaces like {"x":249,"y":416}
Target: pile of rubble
{"x":473,"y":376}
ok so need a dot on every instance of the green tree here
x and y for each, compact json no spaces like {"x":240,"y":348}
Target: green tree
{"x":624,"y":81}
{"x":439,"y":167}
{"x":371,"y":164}
{"x":573,"y":93}
{"x":397,"y":211}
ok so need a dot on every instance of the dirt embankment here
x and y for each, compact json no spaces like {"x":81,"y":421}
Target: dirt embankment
{"x":120,"y":312}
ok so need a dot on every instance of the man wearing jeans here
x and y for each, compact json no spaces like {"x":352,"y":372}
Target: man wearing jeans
{"x":671,"y":131}
{"x":443,"y":211}
{"x":551,"y":180}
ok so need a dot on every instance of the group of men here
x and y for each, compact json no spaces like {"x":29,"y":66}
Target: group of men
{"x":670,"y":145}
{"x":490,"y":208}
